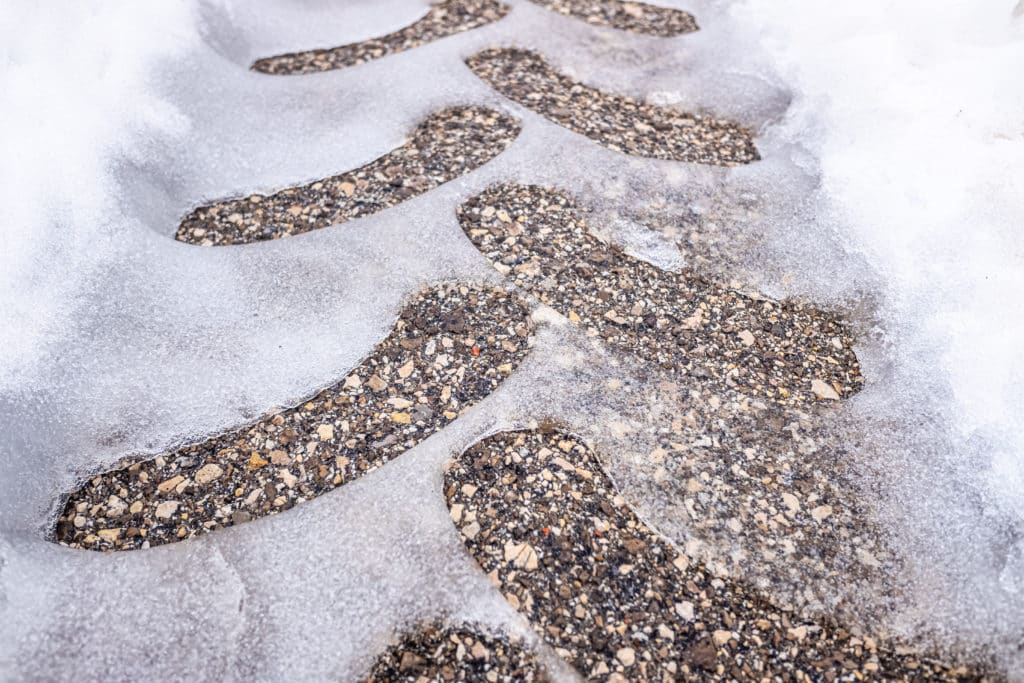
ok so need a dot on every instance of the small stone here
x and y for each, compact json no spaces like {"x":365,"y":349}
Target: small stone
{"x":80,"y":521}
{"x":169,"y":484}
{"x":471,"y":530}
{"x":115,"y":507}
{"x":166,"y":509}
{"x":746,"y":337}
{"x":685,"y":610}
{"x":399,"y":403}
{"x":522,"y":555}
{"x":325,"y":432}
{"x":255,"y":461}
{"x":823,"y":390}
{"x":376,"y":383}
{"x":721,"y":637}
{"x":791,"y":501}
{"x":406,"y":369}
{"x":401,"y":418}
{"x":821,"y":512}
{"x":626,"y":655}
{"x":208,"y":473}
{"x":109,"y":535}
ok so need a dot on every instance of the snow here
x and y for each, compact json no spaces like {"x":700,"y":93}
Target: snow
{"x":893,"y":145}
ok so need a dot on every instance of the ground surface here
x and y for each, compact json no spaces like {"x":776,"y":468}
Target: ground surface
{"x":539,"y":515}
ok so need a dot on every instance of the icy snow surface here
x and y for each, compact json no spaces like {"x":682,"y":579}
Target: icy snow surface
{"x":891,"y":185}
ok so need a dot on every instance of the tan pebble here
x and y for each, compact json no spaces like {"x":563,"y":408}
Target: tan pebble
{"x":721,"y":637}
{"x":821,"y":512}
{"x":169,"y":484}
{"x":255,"y":461}
{"x":347,"y":187}
{"x":406,"y":369}
{"x":376,"y":383}
{"x":746,"y":337}
{"x":685,"y":610}
{"x":80,"y":521}
{"x":823,"y":390}
{"x":522,"y":555}
{"x":353,"y":382}
{"x":791,"y":501}
{"x":165,"y":509}
{"x":279,"y":457}
{"x":110,"y":535}
{"x":135,"y":507}
{"x":456,"y":512}
{"x":626,"y":655}
{"x":798,"y":633}
{"x":208,"y":473}
{"x":287,"y":477}
{"x":401,"y":418}
{"x":399,"y":403}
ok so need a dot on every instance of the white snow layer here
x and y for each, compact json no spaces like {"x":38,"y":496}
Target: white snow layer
{"x":894,"y":160}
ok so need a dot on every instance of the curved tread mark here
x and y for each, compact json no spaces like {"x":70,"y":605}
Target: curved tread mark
{"x":444,"y":19}
{"x":438,"y":653}
{"x":788,"y":353}
{"x":617,"y":122}
{"x":538,"y":514}
{"x":450,"y":348}
{"x":448,"y":144}
{"x":636,"y":17}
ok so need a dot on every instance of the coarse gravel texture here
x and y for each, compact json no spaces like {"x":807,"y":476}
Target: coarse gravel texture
{"x":448,"y":144}
{"x":618,"y":602}
{"x":451,"y":347}
{"x":637,"y":17}
{"x":443,"y":19}
{"x":621,"y":123}
{"x":439,"y":653}
{"x":787,"y":353}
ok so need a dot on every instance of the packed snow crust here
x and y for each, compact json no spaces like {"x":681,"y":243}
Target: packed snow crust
{"x":891,"y":187}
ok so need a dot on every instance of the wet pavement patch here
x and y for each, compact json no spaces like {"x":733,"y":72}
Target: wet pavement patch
{"x":618,"y":602}
{"x":446,"y":145}
{"x":450,"y":348}
{"x":788,"y":353}
{"x":636,"y":17}
{"x":443,"y":19}
{"x":620,"y":123}
{"x":439,"y":653}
